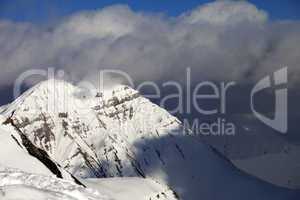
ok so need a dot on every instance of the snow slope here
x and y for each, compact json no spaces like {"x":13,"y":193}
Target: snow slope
{"x":18,"y":185}
{"x":280,"y":168}
{"x":139,"y":188}
{"x":14,"y":156}
{"x":260,"y":151}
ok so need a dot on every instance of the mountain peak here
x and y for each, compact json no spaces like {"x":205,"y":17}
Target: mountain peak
{"x":56,"y":115}
{"x":53,"y":84}
{"x":55,"y":95}
{"x":81,"y":90}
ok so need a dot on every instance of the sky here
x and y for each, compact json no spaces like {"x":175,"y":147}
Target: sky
{"x":46,"y":11}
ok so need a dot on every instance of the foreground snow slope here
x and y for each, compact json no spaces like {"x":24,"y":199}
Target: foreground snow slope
{"x":126,"y":188}
{"x":118,"y":133}
{"x":18,"y":185}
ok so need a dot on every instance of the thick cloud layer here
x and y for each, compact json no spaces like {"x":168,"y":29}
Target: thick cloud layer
{"x":223,"y":40}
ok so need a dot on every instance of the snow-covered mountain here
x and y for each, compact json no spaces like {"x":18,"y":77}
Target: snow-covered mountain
{"x":94,"y":140}
{"x":25,"y":177}
{"x":119,"y":133}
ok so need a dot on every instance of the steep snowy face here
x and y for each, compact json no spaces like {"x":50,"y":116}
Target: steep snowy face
{"x":14,"y":155}
{"x":89,"y":136}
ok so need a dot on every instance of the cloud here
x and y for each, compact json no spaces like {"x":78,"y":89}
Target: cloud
{"x":223,"y":40}
{"x":226,"y":13}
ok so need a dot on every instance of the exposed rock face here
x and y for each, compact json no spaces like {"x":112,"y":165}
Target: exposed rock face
{"x":24,"y":143}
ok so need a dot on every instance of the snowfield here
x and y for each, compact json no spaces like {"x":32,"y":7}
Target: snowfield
{"x":127,"y":188}
{"x":19,"y":185}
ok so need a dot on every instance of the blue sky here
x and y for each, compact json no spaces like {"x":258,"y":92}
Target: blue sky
{"x":41,"y":11}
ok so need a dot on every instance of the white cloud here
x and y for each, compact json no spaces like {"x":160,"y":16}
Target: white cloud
{"x":225,"y":13}
{"x":222,"y":41}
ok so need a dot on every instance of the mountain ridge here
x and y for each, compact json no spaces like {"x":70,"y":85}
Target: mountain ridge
{"x":119,"y":133}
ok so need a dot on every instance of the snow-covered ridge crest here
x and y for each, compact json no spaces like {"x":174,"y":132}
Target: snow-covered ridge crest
{"x":56,"y":95}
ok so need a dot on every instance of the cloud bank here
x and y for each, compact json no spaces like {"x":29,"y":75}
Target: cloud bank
{"x":223,"y":40}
